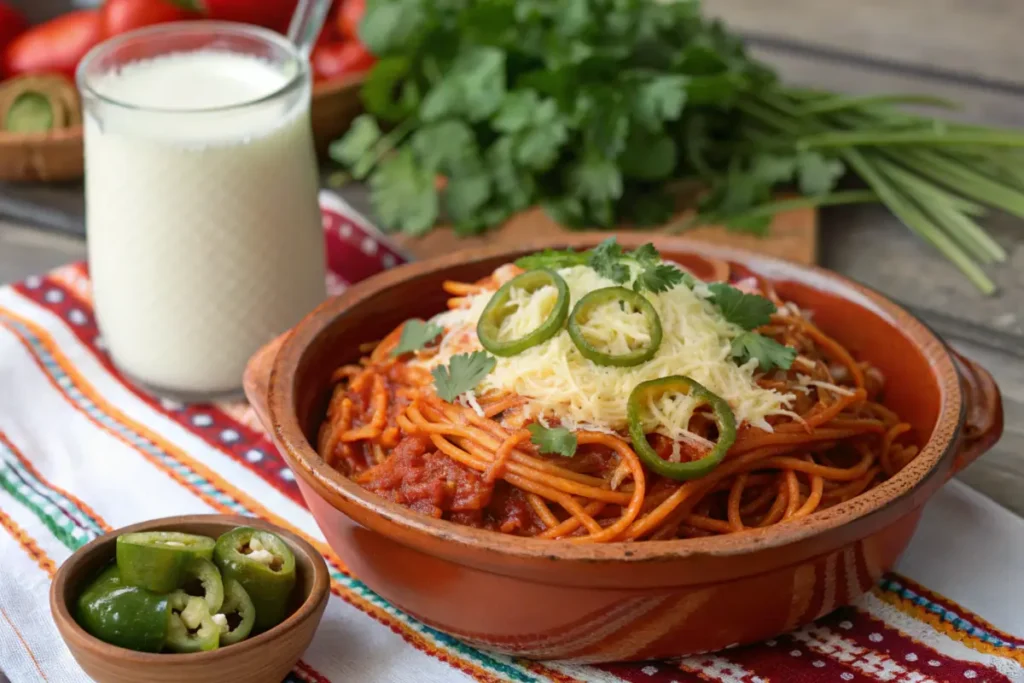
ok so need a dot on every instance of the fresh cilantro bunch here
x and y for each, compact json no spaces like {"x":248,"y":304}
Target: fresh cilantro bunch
{"x":597,"y":110}
{"x":585,"y":107}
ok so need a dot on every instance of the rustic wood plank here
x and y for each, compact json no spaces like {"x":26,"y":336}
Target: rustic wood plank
{"x":980,"y":39}
{"x":794,"y":236}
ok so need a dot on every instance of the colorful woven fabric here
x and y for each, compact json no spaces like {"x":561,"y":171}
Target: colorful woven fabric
{"x":82,"y":452}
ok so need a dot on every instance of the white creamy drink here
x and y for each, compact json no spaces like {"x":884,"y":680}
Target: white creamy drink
{"x":204,"y":231}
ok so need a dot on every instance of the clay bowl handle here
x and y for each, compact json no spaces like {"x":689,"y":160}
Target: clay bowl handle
{"x":983,"y":424}
{"x":256,"y":378}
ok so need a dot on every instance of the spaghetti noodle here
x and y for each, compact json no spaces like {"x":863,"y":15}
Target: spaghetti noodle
{"x":472,"y":460}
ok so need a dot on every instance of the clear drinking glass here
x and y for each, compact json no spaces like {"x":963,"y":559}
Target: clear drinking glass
{"x":203,"y":226}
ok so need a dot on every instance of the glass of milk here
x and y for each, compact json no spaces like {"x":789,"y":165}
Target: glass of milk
{"x":203,"y":226}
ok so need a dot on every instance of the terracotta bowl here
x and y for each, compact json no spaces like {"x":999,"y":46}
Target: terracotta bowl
{"x":265,"y":658}
{"x":625,"y":601}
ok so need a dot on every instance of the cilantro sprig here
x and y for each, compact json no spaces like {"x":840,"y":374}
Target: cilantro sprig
{"x":750,"y":311}
{"x":463,"y":373}
{"x":769,"y":353}
{"x":416,"y":334}
{"x":554,"y":440}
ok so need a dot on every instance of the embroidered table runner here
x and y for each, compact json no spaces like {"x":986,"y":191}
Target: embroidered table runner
{"x":82,"y":452}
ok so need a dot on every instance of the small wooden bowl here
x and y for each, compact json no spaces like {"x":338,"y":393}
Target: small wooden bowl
{"x":57,"y":156}
{"x":250,"y":661}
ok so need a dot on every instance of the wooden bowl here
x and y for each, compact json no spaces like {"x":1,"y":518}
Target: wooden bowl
{"x":265,"y":658}
{"x":57,"y":156}
{"x":625,"y":601}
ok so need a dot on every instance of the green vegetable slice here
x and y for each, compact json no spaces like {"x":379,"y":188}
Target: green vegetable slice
{"x":31,"y":112}
{"x":192,"y":629}
{"x":585,"y":306}
{"x":498,"y":309}
{"x":156,"y":560}
{"x":636,"y":413}
{"x":123,"y":615}
{"x":265,"y":567}
{"x":202,"y":577}
{"x":239,"y":613}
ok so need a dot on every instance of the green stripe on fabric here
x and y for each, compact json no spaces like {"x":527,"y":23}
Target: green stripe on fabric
{"x":59,"y":524}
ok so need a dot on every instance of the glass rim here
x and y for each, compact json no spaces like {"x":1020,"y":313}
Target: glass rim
{"x":214,"y":28}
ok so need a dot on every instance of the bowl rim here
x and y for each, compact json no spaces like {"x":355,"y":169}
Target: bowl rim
{"x":70,"y":629}
{"x":303,"y":458}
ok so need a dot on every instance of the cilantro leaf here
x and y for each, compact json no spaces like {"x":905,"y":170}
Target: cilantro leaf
{"x":658,"y":278}
{"x":514,"y":185}
{"x":517,"y":111}
{"x":473,"y":87}
{"x":768,"y":352}
{"x":646,"y":255}
{"x":537,"y":128}
{"x":749,"y":311}
{"x":404,"y":195}
{"x":553,"y":258}
{"x":464,"y":196}
{"x":355,"y":149}
{"x":463,"y":372}
{"x":554,"y":440}
{"x":606,"y":260}
{"x":660,"y":99}
{"x":817,"y":174}
{"x":390,"y":92}
{"x":415,"y":335}
{"x":445,"y":146}
{"x":389,"y":25}
{"x":596,"y":180}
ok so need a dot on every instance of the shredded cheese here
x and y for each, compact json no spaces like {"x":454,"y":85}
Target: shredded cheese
{"x":561,"y":384}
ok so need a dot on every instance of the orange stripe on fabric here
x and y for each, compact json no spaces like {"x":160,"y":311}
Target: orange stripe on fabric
{"x":50,"y":485}
{"x":160,"y":442}
{"x":406,"y":632}
{"x":24,"y":644}
{"x":936,"y":622}
{"x":28,"y":544}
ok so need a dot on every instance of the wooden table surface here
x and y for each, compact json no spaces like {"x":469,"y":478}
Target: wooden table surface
{"x":966,"y":50}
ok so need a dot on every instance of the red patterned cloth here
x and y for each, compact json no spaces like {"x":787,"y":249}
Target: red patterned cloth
{"x":82,"y":451}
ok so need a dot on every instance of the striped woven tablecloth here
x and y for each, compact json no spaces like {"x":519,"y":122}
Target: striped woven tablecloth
{"x":83,"y":452}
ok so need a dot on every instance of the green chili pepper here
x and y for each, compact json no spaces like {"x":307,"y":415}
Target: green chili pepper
{"x":585,"y":306}
{"x":191,"y":629}
{"x":202,"y":578}
{"x":264,"y":565}
{"x":680,"y":471}
{"x":156,"y":560}
{"x":498,"y":308}
{"x":123,"y":615}
{"x":239,"y":613}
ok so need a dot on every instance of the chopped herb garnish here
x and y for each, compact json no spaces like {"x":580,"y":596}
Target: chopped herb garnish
{"x":606,"y":260}
{"x":463,"y":372}
{"x":769,"y":353}
{"x":415,"y":335}
{"x":749,"y":311}
{"x":554,"y":440}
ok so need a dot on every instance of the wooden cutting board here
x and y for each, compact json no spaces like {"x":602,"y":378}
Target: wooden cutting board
{"x":793,"y":236}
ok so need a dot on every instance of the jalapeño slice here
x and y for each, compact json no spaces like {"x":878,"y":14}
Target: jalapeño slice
{"x":585,"y":307}
{"x":498,"y":308}
{"x":636,"y":411}
{"x":156,"y":560}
